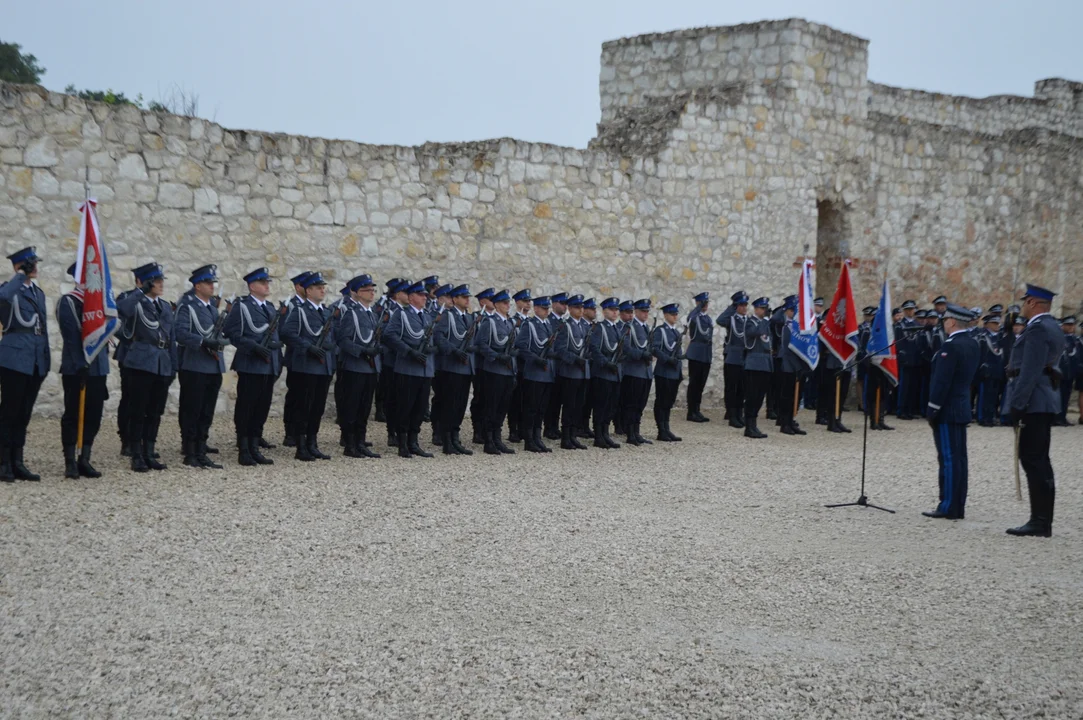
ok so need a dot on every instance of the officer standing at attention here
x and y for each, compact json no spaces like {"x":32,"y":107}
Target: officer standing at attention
{"x":201,"y":366}
{"x":495,"y":343}
{"x":477,"y":401}
{"x":1070,"y":361}
{"x":666,"y":346}
{"x":515,"y":407}
{"x":758,"y":365}
{"x":559,"y":305}
{"x":949,"y":413}
{"x":573,"y":372}
{"x":359,"y":365}
{"x":625,"y":311}
{"x":990,"y":370}
{"x":252,"y":328}
{"x":793,"y":367}
{"x":290,"y":417}
{"x":700,"y":355}
{"x":734,"y":319}
{"x":455,"y":362}
{"x":151,"y":362}
{"x":864,"y":332}
{"x":539,"y":371}
{"x":636,"y":373}
{"x":75,"y":373}
{"x":590,"y":313}
{"x":414,"y":369}
{"x":1032,"y":401}
{"x":443,"y":303}
{"x":909,"y":364}
{"x":24,"y":360}
{"x":312,"y":359}
{"x":605,"y":373}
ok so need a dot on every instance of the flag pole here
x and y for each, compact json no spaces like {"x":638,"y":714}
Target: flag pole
{"x":82,"y":378}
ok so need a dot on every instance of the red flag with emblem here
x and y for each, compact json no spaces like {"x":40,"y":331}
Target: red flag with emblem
{"x":95,"y":285}
{"x":839,"y":328}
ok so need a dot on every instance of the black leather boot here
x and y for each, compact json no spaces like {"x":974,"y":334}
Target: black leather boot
{"x":350,"y":448}
{"x":630,"y":436}
{"x":314,"y":448}
{"x":575,"y":439}
{"x":605,"y":435}
{"x":264,"y":445}
{"x":83,"y":463}
{"x":639,"y":436}
{"x":566,"y":438}
{"x":71,"y":467}
{"x":479,"y":436}
{"x":203,"y":457}
{"x":538,"y":443}
{"x":7,"y":474}
{"x":404,"y":448}
{"x":139,"y":460}
{"x":513,"y":433}
{"x":751,"y":431}
{"x":125,"y":448}
{"x":207,"y":449}
{"x":734,"y":422}
{"x":669,"y":432}
{"x":490,"y":446}
{"x":290,"y":440}
{"x":363,"y":445}
{"x":448,"y":445}
{"x":188,"y":447}
{"x":551,"y":434}
{"x":1041,"y":513}
{"x":458,"y":443}
{"x":599,"y":437}
{"x":151,"y":457}
{"x":244,"y":452}
{"x":393,"y":438}
{"x":257,"y":454}
{"x":499,"y":442}
{"x":302,"y":453}
{"x":528,"y":442}
{"x":342,"y":441}
{"x":437,"y":435}
{"x":22,"y":472}
{"x":415,"y":447}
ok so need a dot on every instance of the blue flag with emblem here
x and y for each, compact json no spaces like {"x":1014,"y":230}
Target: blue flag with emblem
{"x":805,"y":345}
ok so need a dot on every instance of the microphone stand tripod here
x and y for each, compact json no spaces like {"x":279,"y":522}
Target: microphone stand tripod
{"x":862,"y":499}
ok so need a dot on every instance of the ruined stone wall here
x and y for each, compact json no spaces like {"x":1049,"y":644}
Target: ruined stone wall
{"x":723,"y":156}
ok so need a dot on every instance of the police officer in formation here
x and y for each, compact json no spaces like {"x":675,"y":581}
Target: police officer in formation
{"x":77,"y":374}
{"x":949,"y":409}
{"x":310,"y":336}
{"x":409,"y":337}
{"x":359,"y":368}
{"x":253,"y":329}
{"x":606,"y":348}
{"x":1032,"y":401}
{"x":151,"y":361}
{"x":1071,"y":369}
{"x":455,"y":368}
{"x":666,"y":348}
{"x":24,"y":360}
{"x":734,"y":320}
{"x":535,"y":345}
{"x":201,"y":364}
{"x":758,"y":365}
{"x":700,"y":354}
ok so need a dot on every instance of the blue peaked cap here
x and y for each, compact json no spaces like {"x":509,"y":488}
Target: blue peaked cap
{"x":1039,"y":293}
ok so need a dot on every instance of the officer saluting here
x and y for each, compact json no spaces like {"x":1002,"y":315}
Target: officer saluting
{"x":201,"y":366}
{"x":151,"y":362}
{"x":700,"y":354}
{"x":948,"y":411}
{"x":734,"y":319}
{"x":252,"y":327}
{"x":24,"y":360}
{"x":75,"y":373}
{"x":1031,"y":400}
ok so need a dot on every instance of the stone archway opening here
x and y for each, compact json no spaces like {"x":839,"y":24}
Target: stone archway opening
{"x":832,"y":245}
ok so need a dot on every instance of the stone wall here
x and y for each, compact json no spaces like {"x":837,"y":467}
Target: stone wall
{"x":723,"y":156}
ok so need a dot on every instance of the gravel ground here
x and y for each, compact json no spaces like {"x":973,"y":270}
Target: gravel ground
{"x":700,"y":579}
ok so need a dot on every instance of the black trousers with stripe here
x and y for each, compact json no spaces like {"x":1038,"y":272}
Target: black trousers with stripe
{"x":950,"y":441}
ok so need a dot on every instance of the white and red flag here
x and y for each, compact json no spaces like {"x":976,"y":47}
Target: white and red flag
{"x":839,"y":328}
{"x":95,"y":285}
{"x":806,"y":311}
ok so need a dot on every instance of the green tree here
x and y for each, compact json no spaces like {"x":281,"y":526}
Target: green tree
{"x":109,"y":97}
{"x":15,"y":67}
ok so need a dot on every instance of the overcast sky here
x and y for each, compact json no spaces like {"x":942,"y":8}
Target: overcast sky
{"x":409,"y":72}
